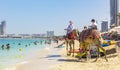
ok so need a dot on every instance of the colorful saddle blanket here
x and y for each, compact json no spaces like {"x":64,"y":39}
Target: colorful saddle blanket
{"x":71,"y":36}
{"x":93,"y":33}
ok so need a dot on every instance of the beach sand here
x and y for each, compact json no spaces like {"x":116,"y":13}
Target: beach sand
{"x":101,"y":64}
{"x":56,"y":59}
{"x":71,"y":63}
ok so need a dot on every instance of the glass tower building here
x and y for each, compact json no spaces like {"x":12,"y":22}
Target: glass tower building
{"x":114,"y":10}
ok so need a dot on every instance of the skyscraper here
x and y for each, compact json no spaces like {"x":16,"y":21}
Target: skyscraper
{"x":114,"y":10}
{"x":104,"y":26}
{"x":0,"y":29}
{"x":3,"y":27}
{"x":50,"y":33}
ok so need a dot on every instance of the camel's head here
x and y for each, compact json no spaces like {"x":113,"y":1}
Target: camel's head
{"x":76,"y":32}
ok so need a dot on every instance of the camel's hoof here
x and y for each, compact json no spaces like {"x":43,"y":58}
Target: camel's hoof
{"x":79,"y":60}
{"x":106,"y":60}
{"x":68,"y":54}
{"x":95,"y":60}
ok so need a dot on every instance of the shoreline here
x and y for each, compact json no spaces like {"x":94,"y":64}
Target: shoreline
{"x":54,"y":58}
{"x":42,"y":59}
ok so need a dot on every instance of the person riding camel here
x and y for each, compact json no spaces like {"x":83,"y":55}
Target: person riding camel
{"x":85,"y":28}
{"x":69,"y":29}
{"x":93,"y":25}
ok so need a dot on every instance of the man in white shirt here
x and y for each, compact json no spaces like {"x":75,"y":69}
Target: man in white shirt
{"x":93,"y":25}
{"x":93,"y":22}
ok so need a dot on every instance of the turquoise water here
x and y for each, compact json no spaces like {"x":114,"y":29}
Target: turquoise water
{"x":18,"y":50}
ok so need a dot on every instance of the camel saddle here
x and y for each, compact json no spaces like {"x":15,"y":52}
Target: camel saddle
{"x":93,"y":33}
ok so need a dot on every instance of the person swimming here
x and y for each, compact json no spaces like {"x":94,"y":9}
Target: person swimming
{"x":35,"y":43}
{"x":26,"y":45}
{"x":29,"y":44}
{"x":41,"y":42}
{"x":19,"y":43}
{"x":2,"y":47}
{"x":8,"y":46}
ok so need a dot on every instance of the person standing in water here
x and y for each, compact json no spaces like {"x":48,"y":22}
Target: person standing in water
{"x":8,"y":46}
{"x":2,"y":47}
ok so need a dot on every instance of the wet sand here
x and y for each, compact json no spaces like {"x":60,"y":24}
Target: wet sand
{"x":43,"y":59}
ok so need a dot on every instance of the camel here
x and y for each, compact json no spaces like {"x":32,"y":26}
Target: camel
{"x":89,"y":37}
{"x":70,"y":41}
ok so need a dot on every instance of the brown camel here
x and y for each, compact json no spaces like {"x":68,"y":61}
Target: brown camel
{"x":89,"y":37}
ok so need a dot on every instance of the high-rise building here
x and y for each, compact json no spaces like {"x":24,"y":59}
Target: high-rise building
{"x":104,"y":26}
{"x":0,"y":29}
{"x":3,"y":28}
{"x":50,"y":33}
{"x":114,"y":10}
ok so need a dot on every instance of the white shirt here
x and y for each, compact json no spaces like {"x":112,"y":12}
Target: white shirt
{"x":92,"y":25}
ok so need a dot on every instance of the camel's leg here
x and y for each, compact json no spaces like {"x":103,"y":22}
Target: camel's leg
{"x":98,"y":44}
{"x":87,"y":51}
{"x":88,"y":55}
{"x":80,"y":46}
{"x":70,"y":46}
{"x":104,"y":53}
{"x":100,"y":47}
{"x":98,"y":52}
{"x":73,"y":47}
{"x":67,"y":45}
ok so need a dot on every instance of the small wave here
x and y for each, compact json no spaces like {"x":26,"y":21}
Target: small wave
{"x":24,"y":62}
{"x":47,"y":48}
{"x":12,"y":68}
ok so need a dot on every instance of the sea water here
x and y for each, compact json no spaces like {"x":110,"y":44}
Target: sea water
{"x":18,"y":50}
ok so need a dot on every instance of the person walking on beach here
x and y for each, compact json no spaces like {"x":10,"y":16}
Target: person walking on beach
{"x":69,"y":28}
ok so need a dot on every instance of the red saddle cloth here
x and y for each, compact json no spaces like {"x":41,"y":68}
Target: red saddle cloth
{"x":71,"y":36}
{"x":89,"y":33}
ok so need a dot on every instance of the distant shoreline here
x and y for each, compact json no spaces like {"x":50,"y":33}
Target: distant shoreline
{"x":29,"y":37}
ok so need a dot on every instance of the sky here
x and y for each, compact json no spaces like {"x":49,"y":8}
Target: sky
{"x":39,"y":16}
